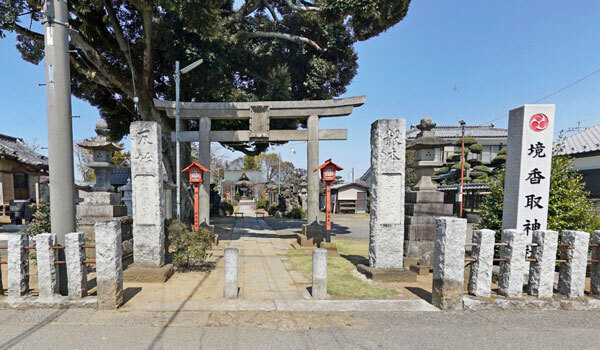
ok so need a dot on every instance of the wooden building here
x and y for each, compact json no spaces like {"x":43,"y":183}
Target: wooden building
{"x":20,"y":172}
{"x":349,"y":198}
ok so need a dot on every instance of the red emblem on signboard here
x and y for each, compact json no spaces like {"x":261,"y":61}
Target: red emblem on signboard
{"x":538,"y":122}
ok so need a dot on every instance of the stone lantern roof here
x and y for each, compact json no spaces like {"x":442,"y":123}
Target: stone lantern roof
{"x":100,"y":141}
{"x":426,"y":139}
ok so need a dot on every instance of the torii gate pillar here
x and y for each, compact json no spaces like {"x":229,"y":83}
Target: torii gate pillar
{"x":312,"y":162}
{"x":204,"y":158}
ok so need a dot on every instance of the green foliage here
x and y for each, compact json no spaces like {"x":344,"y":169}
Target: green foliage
{"x":474,"y":162}
{"x":483,"y":169}
{"x":569,"y":207}
{"x":251,"y":163}
{"x":476,"y":148}
{"x":227,"y":208}
{"x":502,"y":152}
{"x":272,"y":209}
{"x":262,"y":203}
{"x":457,"y":166}
{"x":188,"y":246}
{"x":120,"y":158}
{"x":296,"y":213}
{"x":468,"y":142}
{"x":499,"y":160}
{"x":442,"y":170}
{"x":411,"y":175}
{"x":40,"y":223}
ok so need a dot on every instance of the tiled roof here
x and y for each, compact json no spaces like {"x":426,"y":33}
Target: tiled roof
{"x":454,"y":132}
{"x":472,"y":186}
{"x":119,"y":176}
{"x":14,"y":148}
{"x":585,"y":141}
{"x":255,"y":176}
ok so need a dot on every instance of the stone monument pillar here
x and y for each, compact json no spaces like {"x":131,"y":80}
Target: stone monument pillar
{"x":424,"y":203}
{"x":147,"y":196}
{"x":386,"y":239}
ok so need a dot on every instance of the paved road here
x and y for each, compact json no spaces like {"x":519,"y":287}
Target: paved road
{"x":88,"y":329}
{"x":350,"y":227}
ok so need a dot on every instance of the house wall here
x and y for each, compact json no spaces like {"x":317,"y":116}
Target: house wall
{"x":7,"y":169}
{"x":349,"y":193}
{"x":587,"y":163}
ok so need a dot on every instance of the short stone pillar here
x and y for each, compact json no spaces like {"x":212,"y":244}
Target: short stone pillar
{"x":480,"y":283}
{"x":448,"y":263}
{"x":319,"y":273}
{"x":76,"y":271}
{"x":46,"y":268}
{"x":541,"y":271}
{"x":18,"y":265}
{"x":230,"y":273}
{"x":571,"y":280}
{"x":512,"y":271}
{"x":109,"y":267}
{"x":148,"y":194}
{"x":595,"y":268}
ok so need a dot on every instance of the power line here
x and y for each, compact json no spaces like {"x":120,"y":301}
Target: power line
{"x":553,"y":93}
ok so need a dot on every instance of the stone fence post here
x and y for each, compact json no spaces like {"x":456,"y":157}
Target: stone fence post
{"x":18,"y":265}
{"x":512,"y":271}
{"x":319,"y":273}
{"x":109,"y":267}
{"x":571,"y":281}
{"x":46,"y":269}
{"x":595,"y":269}
{"x":480,"y":282}
{"x":76,"y":270}
{"x":448,"y":263}
{"x":541,"y":272}
{"x":230,"y":278}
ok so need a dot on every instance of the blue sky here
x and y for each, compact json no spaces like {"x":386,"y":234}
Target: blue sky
{"x":501,"y":54}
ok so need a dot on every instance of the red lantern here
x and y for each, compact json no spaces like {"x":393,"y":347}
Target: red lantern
{"x":328,"y":170}
{"x":196,"y":173}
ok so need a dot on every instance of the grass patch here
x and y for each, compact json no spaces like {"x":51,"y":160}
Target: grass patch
{"x":340,"y":281}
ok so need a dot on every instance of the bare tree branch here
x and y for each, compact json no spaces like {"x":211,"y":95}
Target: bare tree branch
{"x":28,"y":33}
{"x":147,"y":60}
{"x":96,"y":59}
{"x":114,"y":22}
{"x":272,"y":11}
{"x":291,"y":4}
{"x":284,"y":36}
{"x":247,"y":8}
{"x":89,"y":74}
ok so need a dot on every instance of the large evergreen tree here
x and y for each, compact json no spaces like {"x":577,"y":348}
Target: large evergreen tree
{"x":263,"y":50}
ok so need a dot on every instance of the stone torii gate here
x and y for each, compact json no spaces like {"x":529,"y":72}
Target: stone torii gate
{"x":259,"y":113}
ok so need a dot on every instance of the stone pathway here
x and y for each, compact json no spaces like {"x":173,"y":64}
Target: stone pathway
{"x":263,"y":254}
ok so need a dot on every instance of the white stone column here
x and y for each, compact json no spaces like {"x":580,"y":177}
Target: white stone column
{"x":480,"y":283}
{"x":595,"y":268}
{"x":448,"y":263}
{"x":528,"y":163}
{"x":18,"y":265}
{"x":386,"y":238}
{"x":319,"y":273}
{"x":541,"y":272}
{"x":512,"y":271}
{"x":571,"y":280}
{"x":109,"y":266}
{"x":204,"y":160}
{"x":46,"y":269}
{"x":312,"y":162}
{"x":147,"y":195}
{"x":230,"y":273}
{"x":76,"y":271}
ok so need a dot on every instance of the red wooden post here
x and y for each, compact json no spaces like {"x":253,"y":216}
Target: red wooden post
{"x":328,"y":206}
{"x":328,"y":170}
{"x":196,"y":172}
{"x":196,"y":209}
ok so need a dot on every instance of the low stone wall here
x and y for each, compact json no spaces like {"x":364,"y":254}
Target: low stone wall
{"x":86,"y":226}
{"x":109,"y":270}
{"x":515,"y":262}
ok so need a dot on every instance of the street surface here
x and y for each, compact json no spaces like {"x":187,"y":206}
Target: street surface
{"x":90,"y":329}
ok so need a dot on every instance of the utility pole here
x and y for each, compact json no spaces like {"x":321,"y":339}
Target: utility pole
{"x":60,"y":129}
{"x":178,"y":129}
{"x":462,"y":167}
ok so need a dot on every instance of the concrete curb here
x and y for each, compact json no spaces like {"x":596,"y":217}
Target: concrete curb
{"x":287,"y":305}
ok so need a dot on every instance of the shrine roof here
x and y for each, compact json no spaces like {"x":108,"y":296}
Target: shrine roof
{"x":15,"y":148}
{"x":585,"y":141}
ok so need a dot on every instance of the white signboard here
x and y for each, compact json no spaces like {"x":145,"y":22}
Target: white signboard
{"x":528,"y":164}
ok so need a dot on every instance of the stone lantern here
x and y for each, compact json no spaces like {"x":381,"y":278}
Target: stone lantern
{"x":101,"y":149}
{"x":127,"y":189}
{"x":423,"y":203}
